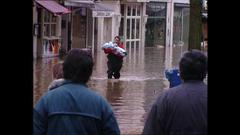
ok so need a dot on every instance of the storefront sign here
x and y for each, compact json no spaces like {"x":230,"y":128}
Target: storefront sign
{"x":136,"y":0}
{"x":102,"y":14}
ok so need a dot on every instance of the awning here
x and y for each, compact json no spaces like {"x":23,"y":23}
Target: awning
{"x":102,"y":10}
{"x":53,"y":7}
{"x":79,"y":3}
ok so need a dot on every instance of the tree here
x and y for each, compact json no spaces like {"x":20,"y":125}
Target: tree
{"x":195,"y":27}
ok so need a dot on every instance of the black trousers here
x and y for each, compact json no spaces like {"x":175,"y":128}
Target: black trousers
{"x":114,"y":66}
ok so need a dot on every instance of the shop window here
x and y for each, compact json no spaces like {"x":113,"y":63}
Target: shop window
{"x":181,"y":25}
{"x":137,"y":28}
{"x":121,"y":27}
{"x":134,"y":11}
{"x":50,"y":24}
{"x":128,"y":28}
{"x":128,"y":10}
{"x":122,"y":10}
{"x":156,"y":24}
{"x":138,"y":10}
{"x":133,"y":29}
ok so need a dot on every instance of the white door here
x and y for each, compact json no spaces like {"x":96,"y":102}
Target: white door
{"x":132,"y":27}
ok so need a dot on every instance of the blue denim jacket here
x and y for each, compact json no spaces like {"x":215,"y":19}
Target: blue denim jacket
{"x":73,"y":109}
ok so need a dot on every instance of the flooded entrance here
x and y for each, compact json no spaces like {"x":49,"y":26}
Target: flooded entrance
{"x":142,"y":79}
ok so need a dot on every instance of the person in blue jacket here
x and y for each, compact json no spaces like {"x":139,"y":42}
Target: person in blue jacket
{"x":73,"y":108}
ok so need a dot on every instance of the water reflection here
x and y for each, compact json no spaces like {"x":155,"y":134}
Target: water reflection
{"x":42,"y":75}
{"x":131,"y":97}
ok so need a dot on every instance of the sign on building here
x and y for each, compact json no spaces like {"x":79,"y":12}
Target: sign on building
{"x":102,"y":14}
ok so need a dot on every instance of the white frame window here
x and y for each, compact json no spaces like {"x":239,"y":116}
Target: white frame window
{"x":132,"y":25}
{"x":51,"y":37}
{"x":49,"y":25}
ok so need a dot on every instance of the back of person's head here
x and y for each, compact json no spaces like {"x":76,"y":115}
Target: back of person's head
{"x":58,"y":71}
{"x":78,"y":66}
{"x":193,"y":65}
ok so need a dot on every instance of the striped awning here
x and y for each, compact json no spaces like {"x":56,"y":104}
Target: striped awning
{"x":53,"y":7}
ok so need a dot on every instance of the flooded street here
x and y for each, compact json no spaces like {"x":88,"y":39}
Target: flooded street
{"x":142,"y":79}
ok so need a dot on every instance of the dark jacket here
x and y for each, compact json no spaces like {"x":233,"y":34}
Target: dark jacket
{"x":181,"y":110}
{"x":73,"y":109}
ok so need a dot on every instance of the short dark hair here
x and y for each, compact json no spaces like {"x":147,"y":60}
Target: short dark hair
{"x":78,"y":66}
{"x":117,"y":38}
{"x":193,"y":65}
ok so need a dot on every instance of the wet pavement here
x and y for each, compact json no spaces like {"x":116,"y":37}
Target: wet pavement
{"x":142,"y":79}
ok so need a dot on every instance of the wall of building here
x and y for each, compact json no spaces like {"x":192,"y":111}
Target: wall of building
{"x":34,"y":36}
{"x":115,"y":22}
{"x":107,"y":26}
{"x":181,"y":1}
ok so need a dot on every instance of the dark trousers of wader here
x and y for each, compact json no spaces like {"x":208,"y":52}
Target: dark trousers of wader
{"x":114,"y":66}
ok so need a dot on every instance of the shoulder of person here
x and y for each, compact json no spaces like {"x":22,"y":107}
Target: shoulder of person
{"x":56,"y":83}
{"x":167,"y":94}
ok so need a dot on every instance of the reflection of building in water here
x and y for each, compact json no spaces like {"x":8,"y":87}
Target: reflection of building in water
{"x":133,"y":61}
{"x":114,"y":91}
{"x":142,"y":79}
{"x":129,"y":107}
{"x":42,"y":76}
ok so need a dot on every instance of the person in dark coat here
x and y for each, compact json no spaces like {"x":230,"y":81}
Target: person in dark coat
{"x":115,"y":62}
{"x":73,"y":108}
{"x":182,"y":110}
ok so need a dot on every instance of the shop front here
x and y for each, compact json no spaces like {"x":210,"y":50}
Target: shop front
{"x":181,"y":24}
{"x":132,"y":24}
{"x":156,"y":24}
{"x":80,"y":19}
{"x":48,"y":24}
{"x":106,"y":21}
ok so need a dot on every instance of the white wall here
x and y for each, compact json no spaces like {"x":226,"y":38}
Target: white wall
{"x":100,"y":32}
{"x":115,"y":7}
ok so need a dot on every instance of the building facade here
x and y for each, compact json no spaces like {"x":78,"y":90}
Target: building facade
{"x":90,"y":23}
{"x":47,"y":25}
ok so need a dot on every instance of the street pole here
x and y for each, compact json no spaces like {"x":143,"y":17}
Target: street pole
{"x":195,"y":27}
